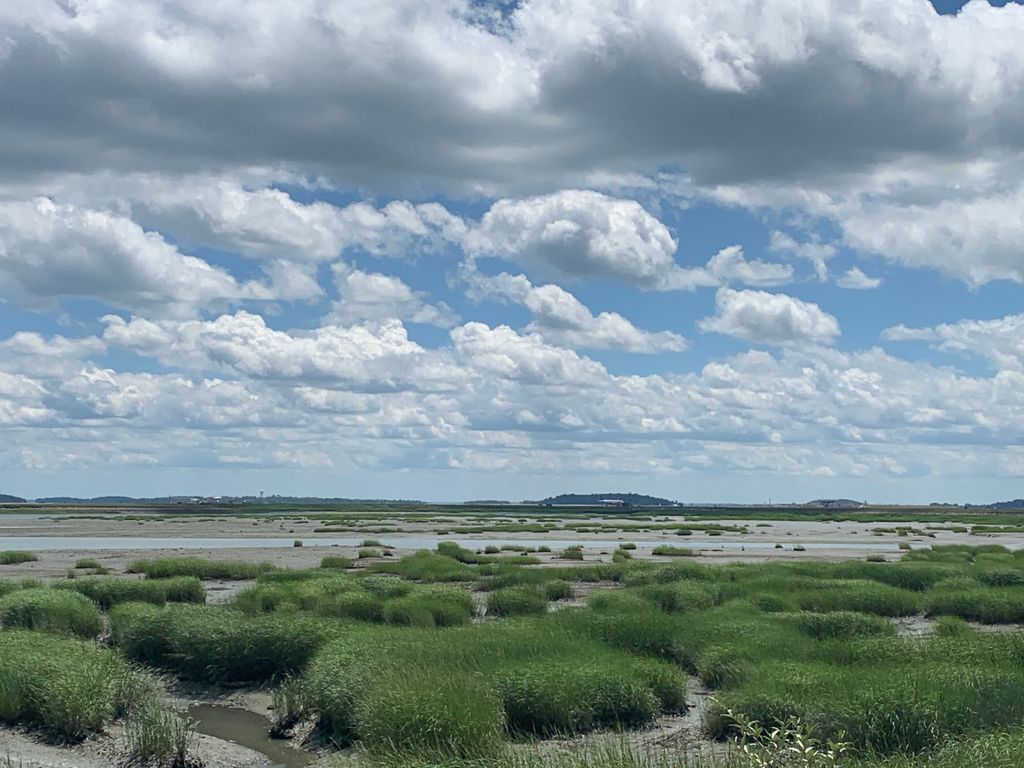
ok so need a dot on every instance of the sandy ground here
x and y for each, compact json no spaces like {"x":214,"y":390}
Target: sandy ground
{"x":780,"y":540}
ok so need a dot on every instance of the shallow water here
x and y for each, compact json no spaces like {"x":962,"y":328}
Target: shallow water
{"x":99,"y":543}
{"x":246,"y":729}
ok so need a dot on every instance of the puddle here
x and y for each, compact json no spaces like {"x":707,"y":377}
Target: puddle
{"x":247,"y":729}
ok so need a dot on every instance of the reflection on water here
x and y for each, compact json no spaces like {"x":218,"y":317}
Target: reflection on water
{"x":247,"y":729}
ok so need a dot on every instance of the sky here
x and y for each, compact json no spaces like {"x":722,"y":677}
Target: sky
{"x":457,"y":250}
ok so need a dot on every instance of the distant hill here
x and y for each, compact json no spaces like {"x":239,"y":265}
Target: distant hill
{"x":6,"y":499}
{"x":598,"y":499}
{"x":835,"y":503}
{"x":1013,"y":504}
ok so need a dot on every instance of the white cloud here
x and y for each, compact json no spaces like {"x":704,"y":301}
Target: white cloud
{"x":813,"y":251}
{"x":582,"y":233}
{"x":362,"y":357}
{"x":560,"y":318}
{"x":378,"y":297}
{"x":48,"y":251}
{"x":729,"y":266}
{"x":855,"y":279}
{"x":769,"y":318}
{"x":1000,"y":341}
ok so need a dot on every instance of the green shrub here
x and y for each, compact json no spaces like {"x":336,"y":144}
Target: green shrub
{"x":367,"y":552}
{"x":53,"y":611}
{"x":516,"y":601}
{"x":572,"y":553}
{"x":15,"y":557}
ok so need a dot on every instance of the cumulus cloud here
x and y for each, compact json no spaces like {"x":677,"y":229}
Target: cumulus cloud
{"x":583,"y":233}
{"x":368,"y":357}
{"x":855,"y":279}
{"x":769,"y":318}
{"x":379,"y":297}
{"x":562,"y":319}
{"x":48,"y":251}
{"x":1000,"y":341}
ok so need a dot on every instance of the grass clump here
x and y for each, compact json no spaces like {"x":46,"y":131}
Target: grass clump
{"x":91,"y":564}
{"x":107,"y":592}
{"x":430,"y":716}
{"x":67,"y":687}
{"x":557,"y":589}
{"x":427,"y":566}
{"x":987,"y":605}
{"x":842,"y":625}
{"x":665,"y":550}
{"x":364,"y":553}
{"x":200,"y":568}
{"x":156,"y":734}
{"x":53,"y":611}
{"x":16,"y":557}
{"x":430,"y":607}
{"x":214,"y":644}
{"x":516,"y":601}
{"x":335,"y":561}
{"x":572,"y":553}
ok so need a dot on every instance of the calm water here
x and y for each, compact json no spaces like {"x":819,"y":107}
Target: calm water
{"x":247,"y":729}
{"x":99,"y":543}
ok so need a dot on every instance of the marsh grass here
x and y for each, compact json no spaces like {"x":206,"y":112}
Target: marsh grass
{"x":668,"y":551}
{"x":200,"y":568}
{"x":53,"y":611}
{"x":69,"y":688}
{"x":516,"y":601}
{"x":17,"y":557}
{"x":154,"y":733}
{"x":107,"y":592}
{"x":336,"y":561}
{"x":213,"y":644}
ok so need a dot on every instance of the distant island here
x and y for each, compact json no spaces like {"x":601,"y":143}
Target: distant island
{"x":6,"y":499}
{"x":607,"y":499}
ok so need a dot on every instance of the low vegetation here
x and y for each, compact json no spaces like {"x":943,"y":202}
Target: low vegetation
{"x":14,"y":557}
{"x":397,"y":657}
{"x":49,"y":610}
{"x":199,"y":568}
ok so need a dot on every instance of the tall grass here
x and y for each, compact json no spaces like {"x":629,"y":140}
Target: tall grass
{"x":516,"y":601}
{"x":200,"y":568}
{"x":69,"y":688}
{"x":16,"y":557}
{"x":47,"y":610}
{"x":214,"y":644}
{"x":110,"y":591}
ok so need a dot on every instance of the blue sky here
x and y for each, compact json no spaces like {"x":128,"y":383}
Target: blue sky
{"x":464,"y":250}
